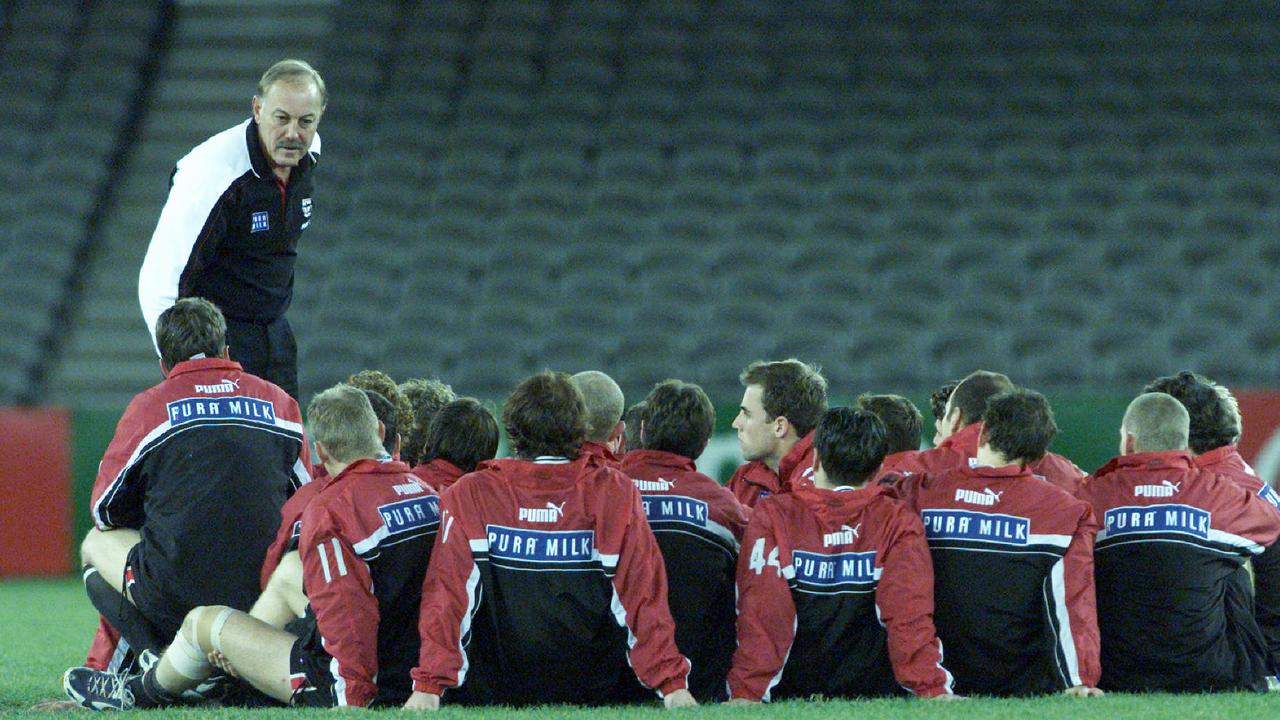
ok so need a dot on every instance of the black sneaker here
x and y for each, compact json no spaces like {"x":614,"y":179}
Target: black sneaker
{"x":97,"y":690}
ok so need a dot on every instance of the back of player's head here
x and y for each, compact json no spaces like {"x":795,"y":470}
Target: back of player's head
{"x":342,"y":420}
{"x":464,"y":433}
{"x":191,"y":327}
{"x":971,"y":395}
{"x":678,"y":418}
{"x":633,"y":417}
{"x":1019,"y":425}
{"x":1157,"y":422}
{"x":381,"y":383}
{"x":850,"y":444}
{"x":426,"y":398}
{"x":938,"y":398}
{"x":901,"y":418}
{"x":604,"y":403}
{"x":386,"y":414}
{"x":292,"y":71}
{"x":546,"y":415}
{"x":791,"y":389}
{"x":1214,"y":413}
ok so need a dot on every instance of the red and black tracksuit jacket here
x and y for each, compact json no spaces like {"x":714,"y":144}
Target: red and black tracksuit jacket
{"x":698,"y":525}
{"x":201,"y":464}
{"x":365,"y":543}
{"x":1013,"y":579}
{"x":835,"y":598}
{"x":1172,"y":539}
{"x":546,"y":586}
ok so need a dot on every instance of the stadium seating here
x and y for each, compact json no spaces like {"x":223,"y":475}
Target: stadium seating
{"x":898,"y":190}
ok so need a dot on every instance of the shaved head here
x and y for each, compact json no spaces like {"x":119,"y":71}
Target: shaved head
{"x":1157,"y":422}
{"x":604,"y":403}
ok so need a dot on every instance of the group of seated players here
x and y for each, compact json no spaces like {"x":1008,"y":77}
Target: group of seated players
{"x":408,"y":567}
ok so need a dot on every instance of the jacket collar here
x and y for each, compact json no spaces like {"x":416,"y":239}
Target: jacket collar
{"x":203,"y":365}
{"x":659,"y":459}
{"x":1167,"y":459}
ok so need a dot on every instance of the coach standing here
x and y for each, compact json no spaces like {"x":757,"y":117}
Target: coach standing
{"x":229,"y":231}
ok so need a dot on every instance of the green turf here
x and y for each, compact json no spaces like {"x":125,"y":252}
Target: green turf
{"x":45,"y":626}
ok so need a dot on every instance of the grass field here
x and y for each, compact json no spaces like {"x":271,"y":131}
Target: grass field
{"x":45,"y":627}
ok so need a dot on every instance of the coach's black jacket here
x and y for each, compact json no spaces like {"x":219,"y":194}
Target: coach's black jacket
{"x":229,"y":230}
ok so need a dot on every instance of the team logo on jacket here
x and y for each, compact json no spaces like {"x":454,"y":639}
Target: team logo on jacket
{"x":1180,"y":519}
{"x":258,"y":222}
{"x":225,"y":386}
{"x":1164,"y":489}
{"x":675,"y":508}
{"x":658,"y":485}
{"x":549,"y":514}
{"x":414,"y":514}
{"x":838,"y":569}
{"x":227,"y":408}
{"x":549,"y":546}
{"x":845,"y":536}
{"x":306,"y":208}
{"x":987,"y":497}
{"x":969,"y":525}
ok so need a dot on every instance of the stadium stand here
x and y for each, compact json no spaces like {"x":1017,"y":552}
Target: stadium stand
{"x":897,"y":190}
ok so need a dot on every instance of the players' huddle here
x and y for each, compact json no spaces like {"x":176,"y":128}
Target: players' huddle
{"x":598,"y":566}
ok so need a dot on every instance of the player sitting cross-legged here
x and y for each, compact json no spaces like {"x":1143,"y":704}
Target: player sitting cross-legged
{"x":835,"y":584}
{"x":546,"y":585}
{"x":1012,"y":561}
{"x":366,"y":538}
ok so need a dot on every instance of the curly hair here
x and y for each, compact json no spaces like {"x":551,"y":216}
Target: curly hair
{"x":381,"y":383}
{"x":426,"y":399}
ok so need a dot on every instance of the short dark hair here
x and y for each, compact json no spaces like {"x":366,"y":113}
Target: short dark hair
{"x":1215,"y":421}
{"x":191,"y":326}
{"x":546,"y":415}
{"x":386,"y":414}
{"x":850,"y":444}
{"x":632,"y":417}
{"x":679,"y":419}
{"x":1019,"y":425}
{"x":971,"y":395}
{"x":791,"y":389}
{"x":938,"y":398}
{"x":426,"y":398}
{"x":902,"y":419}
{"x":464,"y":433}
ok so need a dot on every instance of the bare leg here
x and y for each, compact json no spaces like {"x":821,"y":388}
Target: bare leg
{"x":108,"y":551}
{"x":282,"y":600}
{"x":258,"y":652}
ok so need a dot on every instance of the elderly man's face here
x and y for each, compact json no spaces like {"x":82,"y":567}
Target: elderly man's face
{"x":288,"y":115}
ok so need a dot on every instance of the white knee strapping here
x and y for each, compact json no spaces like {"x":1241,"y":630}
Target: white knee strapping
{"x":215,"y":630}
{"x":186,"y":658}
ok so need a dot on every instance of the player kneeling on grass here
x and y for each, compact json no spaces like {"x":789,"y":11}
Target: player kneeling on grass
{"x":546,"y":585}
{"x":835,"y":584}
{"x":366,"y":538}
{"x":1012,"y":561}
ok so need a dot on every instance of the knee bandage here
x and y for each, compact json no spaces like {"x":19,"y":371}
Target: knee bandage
{"x":199,"y":636}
